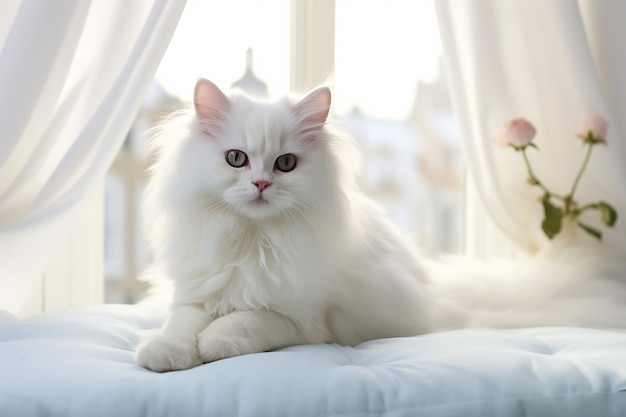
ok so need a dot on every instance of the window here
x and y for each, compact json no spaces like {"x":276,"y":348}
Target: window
{"x":388,"y":93}
{"x":212,"y":39}
{"x":391,"y":96}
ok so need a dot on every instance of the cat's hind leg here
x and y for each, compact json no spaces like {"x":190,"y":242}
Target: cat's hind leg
{"x":249,"y":331}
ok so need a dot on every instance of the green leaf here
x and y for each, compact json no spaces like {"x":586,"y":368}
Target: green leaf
{"x":533,"y":145}
{"x":553,"y":217}
{"x":609,"y":215}
{"x":592,"y":231}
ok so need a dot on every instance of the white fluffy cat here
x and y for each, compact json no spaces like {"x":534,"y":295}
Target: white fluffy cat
{"x":253,"y":211}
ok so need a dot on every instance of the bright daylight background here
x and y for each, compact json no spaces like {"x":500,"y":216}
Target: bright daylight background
{"x":388,"y":93}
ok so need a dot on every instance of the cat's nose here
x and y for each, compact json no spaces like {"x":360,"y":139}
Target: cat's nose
{"x":261,"y":185}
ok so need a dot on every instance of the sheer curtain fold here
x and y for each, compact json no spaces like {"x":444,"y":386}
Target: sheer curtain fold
{"x":28,"y":92}
{"x":73,"y":74}
{"x":554,"y":63}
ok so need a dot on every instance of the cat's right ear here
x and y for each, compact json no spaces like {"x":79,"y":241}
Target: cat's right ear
{"x":211,"y":105}
{"x":312,"y":110}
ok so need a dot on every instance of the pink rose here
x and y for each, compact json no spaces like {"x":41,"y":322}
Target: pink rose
{"x":517,"y":133}
{"x":594,"y":130}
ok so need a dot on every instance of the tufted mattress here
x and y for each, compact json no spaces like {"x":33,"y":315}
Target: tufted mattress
{"x":80,"y":364}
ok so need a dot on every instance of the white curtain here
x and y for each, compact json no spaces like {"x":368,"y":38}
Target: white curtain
{"x":72,"y":76}
{"x":555,"y":63}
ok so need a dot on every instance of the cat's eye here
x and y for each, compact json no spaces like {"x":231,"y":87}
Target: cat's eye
{"x":236,"y":158}
{"x":285,"y":163}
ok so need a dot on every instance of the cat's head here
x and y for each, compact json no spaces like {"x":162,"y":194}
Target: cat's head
{"x":262,"y":160}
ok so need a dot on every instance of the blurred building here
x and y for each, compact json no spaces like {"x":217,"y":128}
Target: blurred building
{"x":414,"y":169}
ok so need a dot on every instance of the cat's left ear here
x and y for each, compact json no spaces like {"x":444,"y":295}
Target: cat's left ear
{"x":312,"y":110}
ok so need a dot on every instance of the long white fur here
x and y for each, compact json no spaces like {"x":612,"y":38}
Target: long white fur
{"x":319,"y":262}
{"x":572,"y":282}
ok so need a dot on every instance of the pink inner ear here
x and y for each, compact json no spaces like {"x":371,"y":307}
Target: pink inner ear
{"x":209,"y":101}
{"x":313,"y":109}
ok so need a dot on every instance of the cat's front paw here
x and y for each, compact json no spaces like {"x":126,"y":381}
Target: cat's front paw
{"x":162,"y":353}
{"x":213,"y":346}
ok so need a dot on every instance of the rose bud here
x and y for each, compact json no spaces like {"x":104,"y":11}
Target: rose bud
{"x":594,"y":130}
{"x":517,"y":133}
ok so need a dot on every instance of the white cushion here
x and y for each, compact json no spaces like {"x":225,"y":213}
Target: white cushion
{"x":80,"y":363}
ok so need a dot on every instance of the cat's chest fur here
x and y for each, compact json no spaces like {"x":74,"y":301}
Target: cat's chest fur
{"x":274,"y":266}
